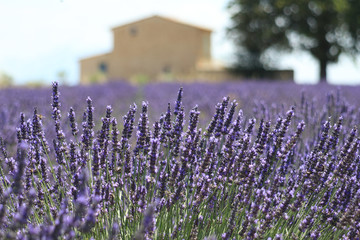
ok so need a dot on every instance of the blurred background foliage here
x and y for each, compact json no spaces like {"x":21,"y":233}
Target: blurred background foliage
{"x":6,"y":80}
{"x":263,"y":28}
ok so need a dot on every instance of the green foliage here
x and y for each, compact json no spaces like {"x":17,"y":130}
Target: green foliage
{"x":36,"y":83}
{"x":325,"y":29}
{"x":98,"y":77}
{"x":5,"y":80}
{"x":140,"y":79}
{"x":62,"y":77}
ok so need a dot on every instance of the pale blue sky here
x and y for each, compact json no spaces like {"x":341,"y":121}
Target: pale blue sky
{"x":40,"y":38}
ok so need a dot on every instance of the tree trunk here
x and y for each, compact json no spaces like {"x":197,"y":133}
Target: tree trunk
{"x":323,"y":66}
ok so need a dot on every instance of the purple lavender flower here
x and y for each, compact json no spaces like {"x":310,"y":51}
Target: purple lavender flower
{"x":178,"y":103}
{"x":88,"y":126}
{"x":55,"y":101}
{"x":143,"y":131}
{"x":21,"y":163}
{"x":211,"y":127}
{"x":229,"y":117}
{"x":147,"y":227}
{"x":220,"y":119}
{"x":153,"y":156}
{"x":73,"y":124}
{"x":115,"y":145}
{"x":166,"y":129}
{"x":176,"y":133}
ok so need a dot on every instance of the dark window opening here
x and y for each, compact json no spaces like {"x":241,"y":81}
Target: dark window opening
{"x":133,"y":31}
{"x":167,"y":69}
{"x":103,"y":67}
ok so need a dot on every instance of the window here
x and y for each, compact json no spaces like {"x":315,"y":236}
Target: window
{"x":133,"y":31}
{"x":103,"y":67}
{"x":166,"y":69}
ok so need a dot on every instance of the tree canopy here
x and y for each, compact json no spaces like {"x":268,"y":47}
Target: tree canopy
{"x":324,"y":28}
{"x":5,"y":80}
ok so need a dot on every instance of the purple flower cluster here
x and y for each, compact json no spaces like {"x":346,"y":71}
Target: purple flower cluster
{"x":291,"y":174}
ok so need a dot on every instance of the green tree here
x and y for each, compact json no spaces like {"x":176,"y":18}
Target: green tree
{"x":5,"y":80}
{"x":62,"y":77}
{"x":324,"y":28}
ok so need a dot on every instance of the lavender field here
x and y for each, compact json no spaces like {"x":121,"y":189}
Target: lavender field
{"x":236,"y":160}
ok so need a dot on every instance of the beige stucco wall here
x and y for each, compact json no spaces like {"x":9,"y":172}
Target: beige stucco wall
{"x":89,"y":69}
{"x":154,"y":47}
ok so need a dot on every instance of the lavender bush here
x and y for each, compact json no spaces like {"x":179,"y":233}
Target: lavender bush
{"x":290,"y":172}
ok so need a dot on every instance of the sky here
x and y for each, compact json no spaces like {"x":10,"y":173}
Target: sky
{"x":41,"y":38}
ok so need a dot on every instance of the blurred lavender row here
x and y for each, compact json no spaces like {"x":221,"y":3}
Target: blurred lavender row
{"x":257,"y":99}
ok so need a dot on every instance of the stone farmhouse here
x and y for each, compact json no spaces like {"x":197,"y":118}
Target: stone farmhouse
{"x":156,"y":48}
